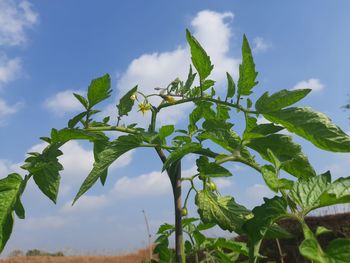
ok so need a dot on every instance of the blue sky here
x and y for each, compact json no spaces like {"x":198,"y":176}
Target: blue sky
{"x":49,"y":49}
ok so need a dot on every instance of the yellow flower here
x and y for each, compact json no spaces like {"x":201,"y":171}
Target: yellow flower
{"x":169,"y":99}
{"x":144,"y":106}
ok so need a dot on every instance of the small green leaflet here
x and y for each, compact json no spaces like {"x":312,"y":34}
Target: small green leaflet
{"x":165,"y":131}
{"x":99,"y":146}
{"x":272,"y":181}
{"x":205,"y":168}
{"x":231,"y":86}
{"x":75,"y":120}
{"x":311,"y":250}
{"x":67,"y":134}
{"x":337,"y":193}
{"x":247,"y":73}
{"x":99,"y":90}
{"x":45,"y":169}
{"x":307,"y":193}
{"x":295,"y":161}
{"x":10,"y":191}
{"x":338,"y":251}
{"x":222,"y":210}
{"x":312,"y":126}
{"x":82,"y":100}
{"x":126,"y":102}
{"x":318,"y":192}
{"x":266,"y":129}
{"x":112,"y":152}
{"x":265,"y":216}
{"x":200,"y":59}
{"x":202,"y":110}
{"x":190,"y":78}
{"x":279,"y":100}
{"x":180,"y":152}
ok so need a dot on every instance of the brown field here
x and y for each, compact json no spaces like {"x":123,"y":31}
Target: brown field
{"x":136,"y":257}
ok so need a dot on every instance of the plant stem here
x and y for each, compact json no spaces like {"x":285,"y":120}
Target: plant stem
{"x":280,"y":250}
{"x":179,"y":249}
{"x":149,"y":236}
{"x":174,"y":174}
{"x":232,"y":105}
{"x":113,"y":128}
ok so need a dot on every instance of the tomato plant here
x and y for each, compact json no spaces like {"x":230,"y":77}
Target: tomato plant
{"x":210,"y":123}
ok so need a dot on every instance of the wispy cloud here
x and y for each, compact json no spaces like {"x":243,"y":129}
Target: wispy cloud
{"x":314,"y":84}
{"x":260,"y":45}
{"x":158,"y":69}
{"x":7,"y":110}
{"x":9,"y":69}
{"x":15,"y":17}
{"x":64,"y":102}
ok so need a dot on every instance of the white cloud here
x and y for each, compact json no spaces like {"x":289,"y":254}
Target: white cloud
{"x":222,"y":183}
{"x":87,"y":203}
{"x":145,"y":185}
{"x":9,"y":69}
{"x":158,"y":69}
{"x":314,"y":84}
{"x":260,"y":45}
{"x":6,"y":110}
{"x":64,"y":102}
{"x":257,"y":192}
{"x":77,"y":162}
{"x":7,"y":167}
{"x":14,"y":19}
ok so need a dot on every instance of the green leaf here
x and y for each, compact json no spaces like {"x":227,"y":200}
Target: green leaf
{"x":99,"y":90}
{"x":310,"y":249}
{"x":112,"y":152}
{"x":10,"y":190}
{"x":265,"y":216}
{"x":321,"y":230}
{"x":307,"y":192}
{"x":165,"y":131}
{"x":180,"y":152}
{"x":126,"y":103}
{"x":295,"y":161}
{"x":67,"y":134}
{"x":82,"y":100}
{"x":231,"y":86}
{"x":247,"y":73}
{"x":222,"y":210}
{"x":205,"y":168}
{"x":74,"y":121}
{"x":200,"y":59}
{"x":208,"y":83}
{"x":272,"y":181}
{"x":338,"y":251}
{"x":222,"y":112}
{"x":203,"y":110}
{"x":190,"y":78}
{"x":269,"y":174}
{"x":45,"y":169}
{"x":99,"y":146}
{"x":279,"y":100}
{"x":266,"y":129}
{"x":312,"y":126}
{"x":337,"y":193}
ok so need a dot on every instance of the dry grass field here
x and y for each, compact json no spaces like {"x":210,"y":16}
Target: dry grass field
{"x":136,"y":257}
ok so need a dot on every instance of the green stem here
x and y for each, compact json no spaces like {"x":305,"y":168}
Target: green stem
{"x":232,"y":105}
{"x":113,"y":128}
{"x":240,"y":159}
